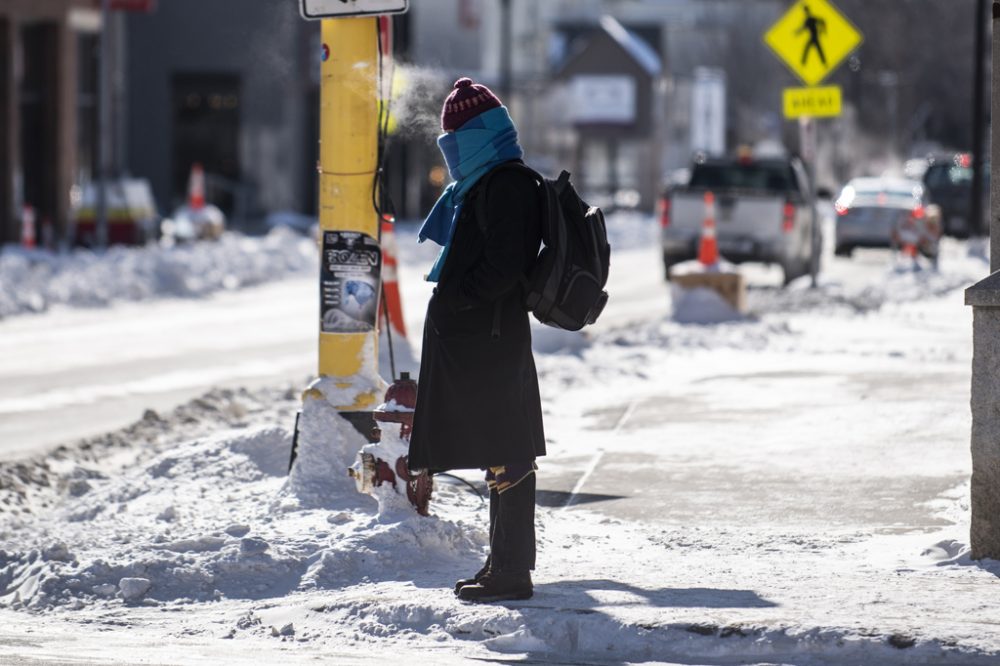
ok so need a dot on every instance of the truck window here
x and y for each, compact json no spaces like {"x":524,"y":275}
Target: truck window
{"x":776,"y":178}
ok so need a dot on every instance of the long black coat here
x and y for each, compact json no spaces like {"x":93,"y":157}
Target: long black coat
{"x":477,"y":403}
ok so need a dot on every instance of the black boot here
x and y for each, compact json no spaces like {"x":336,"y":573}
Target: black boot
{"x":475,"y":579}
{"x":498,"y":586}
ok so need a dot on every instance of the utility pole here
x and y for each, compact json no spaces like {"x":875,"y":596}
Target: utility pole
{"x":103,"y":129}
{"x":994,"y":206}
{"x":505,"y":50}
{"x":984,"y":297}
{"x":978,"y":122}
{"x":349,"y":226}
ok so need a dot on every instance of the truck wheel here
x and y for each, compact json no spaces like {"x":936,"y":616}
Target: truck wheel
{"x":844,"y":251}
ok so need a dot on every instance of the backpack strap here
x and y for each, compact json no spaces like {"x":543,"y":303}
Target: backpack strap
{"x":479,"y":195}
{"x":548,"y":294}
{"x":483,"y":185}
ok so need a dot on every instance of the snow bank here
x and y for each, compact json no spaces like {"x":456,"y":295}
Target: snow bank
{"x":212,"y":518}
{"x":849,"y":287}
{"x":327,"y":447}
{"x":34,"y":281}
{"x":899,"y":285}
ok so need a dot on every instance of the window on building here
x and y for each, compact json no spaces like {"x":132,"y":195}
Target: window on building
{"x":39,"y":126}
{"x":206,"y":130}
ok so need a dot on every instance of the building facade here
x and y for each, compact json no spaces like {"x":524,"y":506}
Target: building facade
{"x":234,"y":85}
{"x":231,"y":85}
{"x":48,"y":84}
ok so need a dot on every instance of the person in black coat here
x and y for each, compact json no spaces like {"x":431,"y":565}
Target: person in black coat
{"x":478,"y":405}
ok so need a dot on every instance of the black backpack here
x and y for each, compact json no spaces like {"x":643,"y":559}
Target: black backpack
{"x":565,"y":288}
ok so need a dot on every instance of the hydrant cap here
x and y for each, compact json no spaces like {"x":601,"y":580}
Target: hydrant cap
{"x":403,"y":392}
{"x":400,"y":402}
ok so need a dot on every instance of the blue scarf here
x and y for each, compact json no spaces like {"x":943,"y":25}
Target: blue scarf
{"x":471,"y":152}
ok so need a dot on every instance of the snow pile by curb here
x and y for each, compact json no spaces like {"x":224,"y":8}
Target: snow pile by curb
{"x":902,"y":282}
{"x":211,"y":518}
{"x":34,"y":281}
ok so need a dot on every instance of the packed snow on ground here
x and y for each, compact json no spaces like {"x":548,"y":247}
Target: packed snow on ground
{"x":36,"y":280}
{"x":187,"y":531}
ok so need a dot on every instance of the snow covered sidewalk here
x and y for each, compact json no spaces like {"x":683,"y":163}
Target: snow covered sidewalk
{"x":194,"y":543}
{"x":786,"y":489}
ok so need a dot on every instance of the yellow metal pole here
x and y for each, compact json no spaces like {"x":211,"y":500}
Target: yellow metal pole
{"x":348,"y":352}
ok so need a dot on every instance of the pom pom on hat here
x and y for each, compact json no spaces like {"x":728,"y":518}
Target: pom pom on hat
{"x":466,"y":101}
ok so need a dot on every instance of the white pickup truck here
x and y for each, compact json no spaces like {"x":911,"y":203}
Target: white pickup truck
{"x":762,"y":213}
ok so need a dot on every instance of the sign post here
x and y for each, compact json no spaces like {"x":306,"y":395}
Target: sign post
{"x":812,"y":38}
{"x":808,"y":144}
{"x":351,"y":256}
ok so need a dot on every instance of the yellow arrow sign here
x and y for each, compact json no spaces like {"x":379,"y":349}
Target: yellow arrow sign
{"x":812,"y":38}
{"x":822,"y":102}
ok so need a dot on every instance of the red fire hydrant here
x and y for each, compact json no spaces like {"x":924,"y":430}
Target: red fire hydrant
{"x":373,"y":472}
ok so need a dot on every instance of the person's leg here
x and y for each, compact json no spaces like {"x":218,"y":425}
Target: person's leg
{"x":513,"y":541}
{"x":512,"y":546}
{"x":494,"y":509}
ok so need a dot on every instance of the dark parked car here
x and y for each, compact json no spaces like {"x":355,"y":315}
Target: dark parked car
{"x":948,"y":181}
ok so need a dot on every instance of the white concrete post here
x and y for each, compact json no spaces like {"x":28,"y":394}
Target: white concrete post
{"x":984,"y":298}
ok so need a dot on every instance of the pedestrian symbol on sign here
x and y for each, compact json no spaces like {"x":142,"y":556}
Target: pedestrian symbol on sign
{"x":816,"y":27}
{"x":812,"y":37}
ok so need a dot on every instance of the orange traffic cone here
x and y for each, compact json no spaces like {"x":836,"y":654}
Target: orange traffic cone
{"x":708,"y":248}
{"x":196,"y":187}
{"x":28,"y":227}
{"x":390,"y":277}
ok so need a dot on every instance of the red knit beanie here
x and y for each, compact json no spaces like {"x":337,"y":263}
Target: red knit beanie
{"x":465,"y":102}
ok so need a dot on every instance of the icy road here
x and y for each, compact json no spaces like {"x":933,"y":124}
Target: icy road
{"x":75,"y":373}
{"x":789,"y":488}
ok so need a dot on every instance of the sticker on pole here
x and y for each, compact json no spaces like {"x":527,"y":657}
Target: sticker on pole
{"x":812,"y":38}
{"x":321,"y":9}
{"x":822,"y":102}
{"x":349,"y":282}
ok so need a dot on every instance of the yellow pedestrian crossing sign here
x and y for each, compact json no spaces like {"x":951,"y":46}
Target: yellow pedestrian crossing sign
{"x":812,"y":38}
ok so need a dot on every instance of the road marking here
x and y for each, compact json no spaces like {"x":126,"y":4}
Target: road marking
{"x":592,"y":467}
{"x":626,"y":415}
{"x":176,"y":380}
